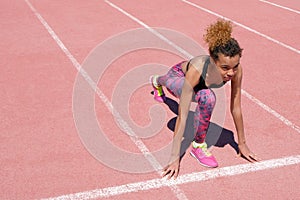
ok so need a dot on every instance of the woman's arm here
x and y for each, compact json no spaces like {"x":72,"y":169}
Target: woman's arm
{"x":236,"y":111}
{"x":191,"y":80}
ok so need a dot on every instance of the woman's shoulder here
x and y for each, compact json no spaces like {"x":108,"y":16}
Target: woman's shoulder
{"x":199,"y":61}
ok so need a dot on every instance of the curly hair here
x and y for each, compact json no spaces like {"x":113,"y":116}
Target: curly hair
{"x":218,"y":37}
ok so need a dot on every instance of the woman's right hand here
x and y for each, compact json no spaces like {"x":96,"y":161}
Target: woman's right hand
{"x":172,"y":170}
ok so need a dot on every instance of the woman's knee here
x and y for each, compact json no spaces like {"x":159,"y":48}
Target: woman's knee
{"x":206,"y":97}
{"x":174,"y":85}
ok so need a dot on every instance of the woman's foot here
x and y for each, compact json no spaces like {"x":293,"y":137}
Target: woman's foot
{"x":201,"y":153}
{"x":158,"y":91}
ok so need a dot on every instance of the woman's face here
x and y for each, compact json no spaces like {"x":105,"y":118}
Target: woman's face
{"x":227,"y":66}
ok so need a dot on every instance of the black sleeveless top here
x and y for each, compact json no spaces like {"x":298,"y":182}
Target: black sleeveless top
{"x":201,"y":85}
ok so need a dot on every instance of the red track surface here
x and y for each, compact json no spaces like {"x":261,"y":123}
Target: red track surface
{"x":41,"y":153}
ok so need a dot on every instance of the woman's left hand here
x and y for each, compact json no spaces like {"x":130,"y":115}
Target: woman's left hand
{"x":245,"y":152}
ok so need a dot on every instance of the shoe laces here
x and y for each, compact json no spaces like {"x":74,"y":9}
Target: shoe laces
{"x":204,"y":149}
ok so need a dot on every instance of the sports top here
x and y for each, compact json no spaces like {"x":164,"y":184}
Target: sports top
{"x":201,"y":85}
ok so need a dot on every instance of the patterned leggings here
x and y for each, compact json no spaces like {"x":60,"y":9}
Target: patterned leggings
{"x":205,"y":98}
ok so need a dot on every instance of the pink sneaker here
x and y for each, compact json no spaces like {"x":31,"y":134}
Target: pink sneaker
{"x":204,"y":157}
{"x":158,"y":91}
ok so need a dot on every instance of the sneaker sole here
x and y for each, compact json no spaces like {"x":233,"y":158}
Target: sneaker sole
{"x":192,"y":154}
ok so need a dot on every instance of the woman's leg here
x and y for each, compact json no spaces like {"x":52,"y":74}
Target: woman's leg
{"x":173,"y":80}
{"x":206,"y":102}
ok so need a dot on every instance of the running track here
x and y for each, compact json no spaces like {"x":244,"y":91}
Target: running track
{"x":44,"y":43}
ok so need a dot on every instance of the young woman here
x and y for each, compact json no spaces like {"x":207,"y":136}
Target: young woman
{"x":192,"y":81}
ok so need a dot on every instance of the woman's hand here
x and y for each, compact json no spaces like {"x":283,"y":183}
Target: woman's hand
{"x":172,"y":170}
{"x":246,"y":153}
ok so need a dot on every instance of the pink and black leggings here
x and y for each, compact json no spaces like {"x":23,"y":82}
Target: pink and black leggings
{"x":205,"y":98}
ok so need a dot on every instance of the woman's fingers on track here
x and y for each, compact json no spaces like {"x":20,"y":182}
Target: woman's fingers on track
{"x":250,"y":157}
{"x":169,"y":173}
{"x":254,"y":157}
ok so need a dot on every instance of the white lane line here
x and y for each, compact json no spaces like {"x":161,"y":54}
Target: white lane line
{"x":271,"y":111}
{"x":138,"y":142}
{"x":279,"y":6}
{"x":163,"y":38}
{"x":246,"y":94}
{"x":183,"y":179}
{"x":244,"y":26}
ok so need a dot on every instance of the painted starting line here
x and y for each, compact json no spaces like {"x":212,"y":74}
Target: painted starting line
{"x":183,"y":179}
